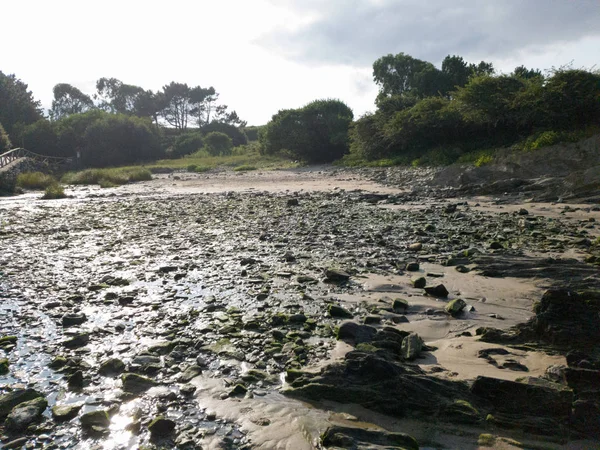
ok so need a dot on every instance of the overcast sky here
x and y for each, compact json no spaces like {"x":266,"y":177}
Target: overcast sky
{"x":265,"y":55}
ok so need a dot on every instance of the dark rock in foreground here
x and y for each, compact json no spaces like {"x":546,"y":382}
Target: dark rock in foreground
{"x":359,"y":438}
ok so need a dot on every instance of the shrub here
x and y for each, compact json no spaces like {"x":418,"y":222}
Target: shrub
{"x":186,"y":144}
{"x":34,"y":180}
{"x":318,"y":132}
{"x":237,"y":135}
{"x":54,"y":191}
{"x":244,"y":168}
{"x":218,"y":143}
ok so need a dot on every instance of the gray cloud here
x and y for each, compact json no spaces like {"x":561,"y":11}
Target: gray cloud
{"x":356,"y":32}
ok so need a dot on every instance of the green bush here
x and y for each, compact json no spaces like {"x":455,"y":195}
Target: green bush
{"x":54,"y":191}
{"x":218,"y":143}
{"x":318,"y":132}
{"x":35,"y":180}
{"x":186,"y":144}
{"x":238,"y":136}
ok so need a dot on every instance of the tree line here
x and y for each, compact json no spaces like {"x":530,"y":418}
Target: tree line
{"x":119,"y":124}
{"x":423,"y":113}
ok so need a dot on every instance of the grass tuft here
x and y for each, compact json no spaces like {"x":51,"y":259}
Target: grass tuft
{"x":54,"y":191}
{"x":35,"y":180}
{"x":244,"y":168}
{"x":107,"y":177}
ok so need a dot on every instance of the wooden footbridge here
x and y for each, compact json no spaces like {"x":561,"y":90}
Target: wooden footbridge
{"x":10,"y":157}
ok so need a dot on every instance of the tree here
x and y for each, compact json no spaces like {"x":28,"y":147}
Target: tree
{"x":318,"y":132}
{"x":4,"y":140}
{"x":402,"y":74}
{"x":117,"y":139}
{"x":527,"y":74}
{"x":42,"y":137}
{"x":118,"y":97}
{"x":218,"y":143}
{"x":69,"y":100}
{"x":456,"y":70}
{"x":17,"y":105}
{"x":178,"y":104}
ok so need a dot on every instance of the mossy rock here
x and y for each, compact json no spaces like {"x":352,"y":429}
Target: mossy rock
{"x":136,"y":384}
{"x":400,"y":304}
{"x":98,"y":418}
{"x":25,"y":414}
{"x":161,"y":427}
{"x":455,"y":307}
{"x":339,"y":312}
{"x":419,"y":282}
{"x":4,"y":366}
{"x":65,"y":412}
{"x":11,"y":399}
{"x":462,"y":411}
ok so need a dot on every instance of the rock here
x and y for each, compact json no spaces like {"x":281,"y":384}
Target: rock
{"x":95,"y":419}
{"x":15,"y":443}
{"x":437,"y":291}
{"x":78,"y":340}
{"x":25,"y":413}
{"x":336,"y":276}
{"x":462,"y":269}
{"x":586,"y":417}
{"x":400,"y":305}
{"x":417,"y":246}
{"x":136,"y":384}
{"x":190,"y":373}
{"x":411,"y":346}
{"x":372,"y":320}
{"x":496,"y":245}
{"x":161,"y":427}
{"x":71,"y":319}
{"x":339,"y":312}
{"x":380,"y":384}
{"x":519,"y":398}
{"x":461,"y":411}
{"x":111,"y":367}
{"x":238,"y":391}
{"x":57,"y":362}
{"x":75,"y":380}
{"x":10,"y":400}
{"x":356,"y":333}
{"x":419,"y":282}
{"x":292,"y":202}
{"x":4,"y":366}
{"x":65,"y":412}
{"x":455,"y":307}
{"x":412,"y":267}
{"x":360,"y":438}
{"x":523,"y":212}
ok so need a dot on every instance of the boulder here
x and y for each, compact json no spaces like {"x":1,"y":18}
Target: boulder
{"x":339,"y":312}
{"x":360,"y":438}
{"x":437,"y":291}
{"x":25,"y":414}
{"x":526,"y":399}
{"x":336,"y":276}
{"x":411,"y":346}
{"x":10,"y":400}
{"x":455,"y":307}
{"x":352,"y":331}
{"x":136,"y":384}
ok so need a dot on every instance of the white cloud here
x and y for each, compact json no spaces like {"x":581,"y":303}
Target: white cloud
{"x":266,"y":55}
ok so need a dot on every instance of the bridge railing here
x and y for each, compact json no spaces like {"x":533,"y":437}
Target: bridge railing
{"x":16,"y":153}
